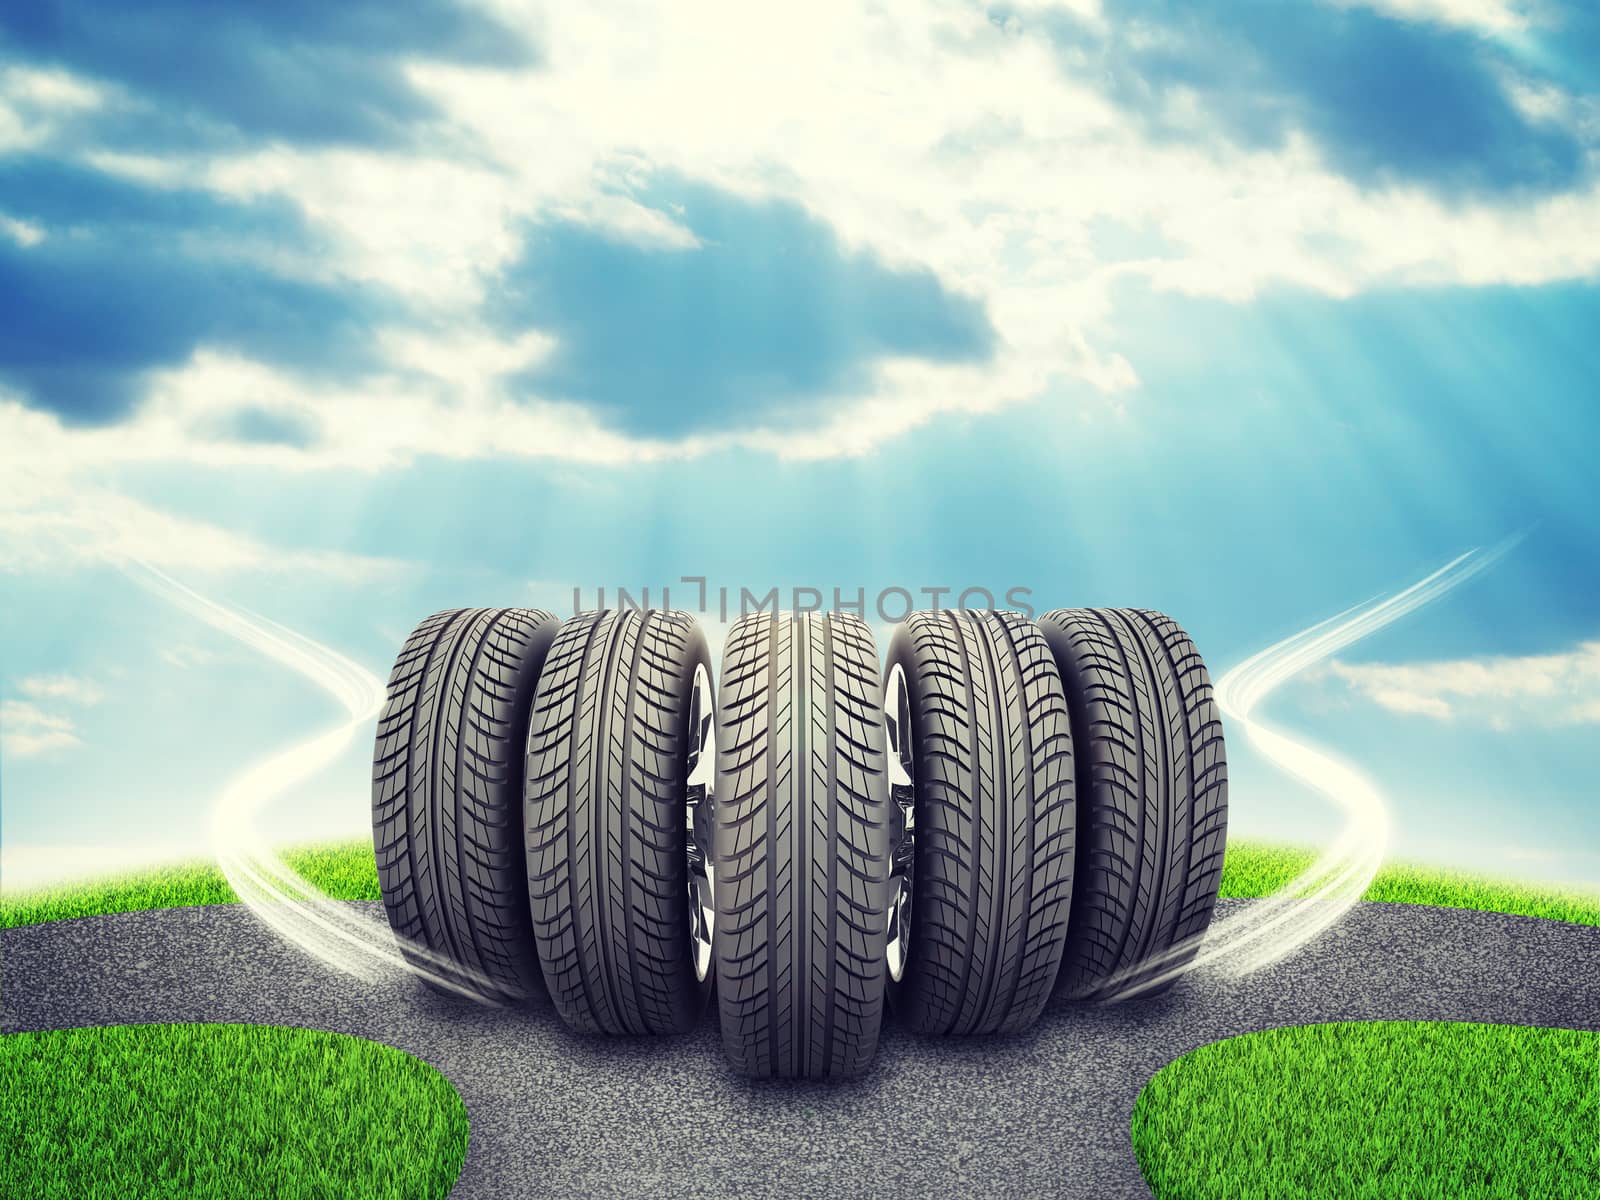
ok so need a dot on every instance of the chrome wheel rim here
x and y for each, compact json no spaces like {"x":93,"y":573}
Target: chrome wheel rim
{"x":698,"y":821}
{"x":902,"y":790}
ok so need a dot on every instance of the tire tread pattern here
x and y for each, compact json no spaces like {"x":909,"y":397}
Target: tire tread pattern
{"x":607,"y":745}
{"x":995,"y":822}
{"x":801,"y":846}
{"x":1152,"y":796}
{"x":447,"y":795}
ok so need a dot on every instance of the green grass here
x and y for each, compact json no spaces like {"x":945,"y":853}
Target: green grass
{"x":1353,"y":1110}
{"x":1256,"y":869}
{"x":1383,"y":1109}
{"x":222,"y":1110}
{"x":344,"y":870}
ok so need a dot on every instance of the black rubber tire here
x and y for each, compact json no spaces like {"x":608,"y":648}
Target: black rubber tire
{"x":802,"y":845}
{"x":1152,"y":797}
{"x":993,"y":790}
{"x":607,"y":773}
{"x":447,"y":797}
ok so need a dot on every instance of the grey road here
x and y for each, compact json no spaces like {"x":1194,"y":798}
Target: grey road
{"x":556,"y":1114}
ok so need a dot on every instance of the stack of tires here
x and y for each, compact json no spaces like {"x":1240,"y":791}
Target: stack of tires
{"x":1004,"y":810}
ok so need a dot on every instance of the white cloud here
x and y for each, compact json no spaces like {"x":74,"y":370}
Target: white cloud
{"x":23,"y":233}
{"x":49,"y":89}
{"x":1485,"y":16}
{"x":1502,"y":692}
{"x":187,"y":656}
{"x":36,"y":725}
{"x":917,"y":129}
{"x":69,"y":689}
{"x":1402,"y":700}
{"x":33,"y":102}
{"x":26,"y":730}
{"x":926,"y":133}
{"x":428,"y":227}
{"x":1584,"y":712}
{"x":54,"y":514}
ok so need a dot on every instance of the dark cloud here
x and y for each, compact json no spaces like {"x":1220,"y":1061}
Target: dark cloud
{"x":129,"y":278}
{"x":1384,"y":99}
{"x":765,"y":316}
{"x":300,"y":71}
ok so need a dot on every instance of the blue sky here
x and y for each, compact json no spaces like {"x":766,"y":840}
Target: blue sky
{"x":1243,"y":314}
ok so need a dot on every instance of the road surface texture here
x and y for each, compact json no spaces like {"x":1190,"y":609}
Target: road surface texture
{"x":1044,"y":1114}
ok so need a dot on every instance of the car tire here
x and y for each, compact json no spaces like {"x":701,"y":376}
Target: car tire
{"x":802,"y":846}
{"x":1152,"y":798}
{"x":984,"y":769}
{"x":621,"y":735}
{"x":447,"y":799}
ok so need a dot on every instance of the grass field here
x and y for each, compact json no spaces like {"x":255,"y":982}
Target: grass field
{"x":1255,"y":869}
{"x":345,"y":871}
{"x":1380,"y":1109}
{"x":1377,"y":1110}
{"x":212,"y":1111}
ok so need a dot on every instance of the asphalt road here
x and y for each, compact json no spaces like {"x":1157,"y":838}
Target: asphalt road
{"x":556,"y":1114}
